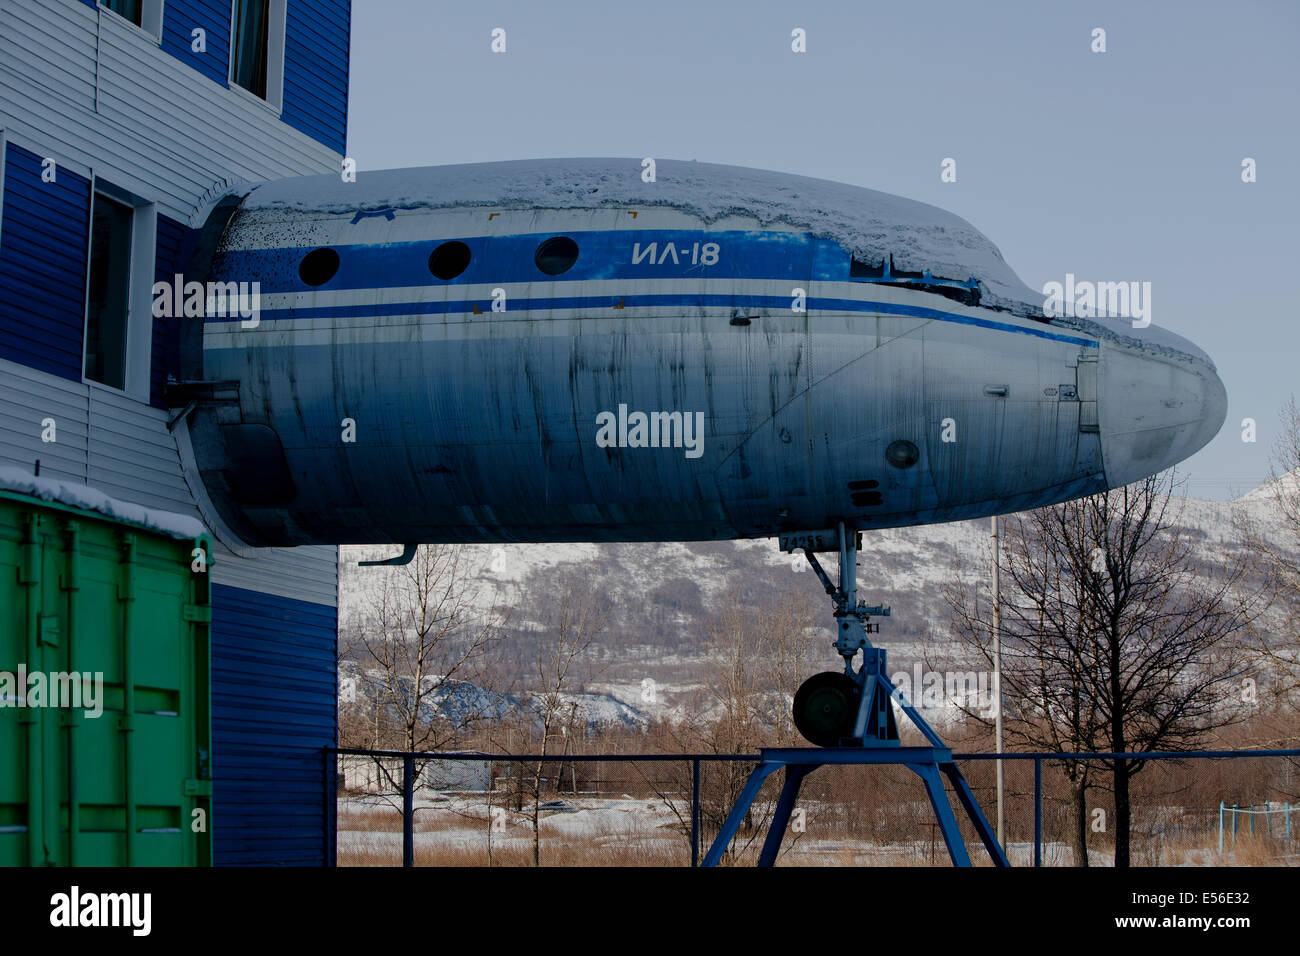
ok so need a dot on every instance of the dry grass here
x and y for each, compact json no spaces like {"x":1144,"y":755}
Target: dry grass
{"x":1246,"y":850}
{"x":560,"y":854}
{"x":641,"y":832}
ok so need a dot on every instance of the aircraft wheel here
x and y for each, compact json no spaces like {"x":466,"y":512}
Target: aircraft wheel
{"x":825,"y":707}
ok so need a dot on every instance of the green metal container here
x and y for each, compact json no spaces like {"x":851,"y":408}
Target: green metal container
{"x":84,"y":594}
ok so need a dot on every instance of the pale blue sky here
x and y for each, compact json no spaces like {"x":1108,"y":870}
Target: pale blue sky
{"x":1117,"y":166}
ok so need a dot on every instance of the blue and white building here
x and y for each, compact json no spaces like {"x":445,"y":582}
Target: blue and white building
{"x":119,"y":122}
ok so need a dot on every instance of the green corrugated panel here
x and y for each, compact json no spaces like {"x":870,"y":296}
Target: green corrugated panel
{"x":81,"y":593}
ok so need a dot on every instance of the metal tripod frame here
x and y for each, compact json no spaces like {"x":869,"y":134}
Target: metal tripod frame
{"x":874,"y":739}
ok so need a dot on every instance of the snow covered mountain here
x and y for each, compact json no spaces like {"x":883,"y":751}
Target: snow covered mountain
{"x":662,"y":595}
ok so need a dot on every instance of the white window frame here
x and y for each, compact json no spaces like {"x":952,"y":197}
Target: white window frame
{"x":151,"y":18}
{"x":138,"y":351}
{"x":276,"y":16}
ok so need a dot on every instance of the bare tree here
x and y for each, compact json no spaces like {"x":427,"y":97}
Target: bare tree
{"x":576,"y":617}
{"x":1114,"y":637}
{"x":1272,"y":542}
{"x":1043,"y":628}
{"x":421,"y":643}
{"x":795,"y":649}
{"x":760,"y":652}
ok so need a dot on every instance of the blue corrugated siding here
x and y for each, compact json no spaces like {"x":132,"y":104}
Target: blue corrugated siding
{"x":172,"y":254}
{"x":180,"y":17}
{"x":43,"y":246}
{"x":316,"y":69}
{"x":274,"y":706}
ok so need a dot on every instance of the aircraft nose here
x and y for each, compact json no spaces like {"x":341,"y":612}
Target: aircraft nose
{"x":1158,"y":404}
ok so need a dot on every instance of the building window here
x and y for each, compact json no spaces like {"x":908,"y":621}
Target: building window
{"x":145,"y":14}
{"x":257,"y":48}
{"x":132,"y":10}
{"x":251,"y":36}
{"x":108,"y":295}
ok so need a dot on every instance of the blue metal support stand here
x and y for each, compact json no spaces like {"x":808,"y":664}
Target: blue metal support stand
{"x":928,"y":763}
{"x":873,"y":738}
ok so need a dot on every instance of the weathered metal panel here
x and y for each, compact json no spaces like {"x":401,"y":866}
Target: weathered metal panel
{"x":474,"y":424}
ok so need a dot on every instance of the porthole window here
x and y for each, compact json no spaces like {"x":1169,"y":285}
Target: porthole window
{"x":556,"y":255}
{"x":449,"y":260}
{"x":902,"y":454}
{"x":318,"y":266}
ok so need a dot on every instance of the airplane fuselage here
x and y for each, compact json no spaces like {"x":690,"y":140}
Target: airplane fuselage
{"x":675,"y":380}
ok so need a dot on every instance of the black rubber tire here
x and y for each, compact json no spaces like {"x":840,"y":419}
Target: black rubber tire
{"x":825,"y":708}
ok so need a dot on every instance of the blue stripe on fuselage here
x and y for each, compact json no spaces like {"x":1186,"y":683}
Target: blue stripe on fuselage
{"x":676,"y":253}
{"x":519,"y":306}
{"x":609,"y":254}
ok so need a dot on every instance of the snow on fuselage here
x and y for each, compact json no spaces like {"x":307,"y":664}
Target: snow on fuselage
{"x":689,"y":366}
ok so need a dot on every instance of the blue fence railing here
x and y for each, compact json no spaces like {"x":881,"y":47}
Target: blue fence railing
{"x":408,"y":760}
{"x":1267,"y":812}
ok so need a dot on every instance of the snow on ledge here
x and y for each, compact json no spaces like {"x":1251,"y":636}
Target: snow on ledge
{"x":87,"y":498}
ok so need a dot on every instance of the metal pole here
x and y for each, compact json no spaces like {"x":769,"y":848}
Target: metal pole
{"x":997,"y":687}
{"x":1220,"y":828}
{"x":327,"y":793}
{"x":408,"y":811}
{"x":1038,"y":812}
{"x":848,"y":566}
{"x":695,"y":812}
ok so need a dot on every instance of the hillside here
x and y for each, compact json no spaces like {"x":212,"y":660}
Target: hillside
{"x":661,"y":596}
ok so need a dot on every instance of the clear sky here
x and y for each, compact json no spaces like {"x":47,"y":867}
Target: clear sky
{"x":1115,"y":166}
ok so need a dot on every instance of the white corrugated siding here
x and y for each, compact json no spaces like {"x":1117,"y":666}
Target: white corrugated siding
{"x":123,"y":448}
{"x":97,"y":94}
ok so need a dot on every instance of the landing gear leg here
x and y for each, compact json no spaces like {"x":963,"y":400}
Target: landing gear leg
{"x":852,"y":708}
{"x":849,"y":715}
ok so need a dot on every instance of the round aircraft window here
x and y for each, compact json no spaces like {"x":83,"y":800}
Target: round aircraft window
{"x":556,"y":255}
{"x":449,"y":260}
{"x":318,"y":266}
{"x":902,"y":454}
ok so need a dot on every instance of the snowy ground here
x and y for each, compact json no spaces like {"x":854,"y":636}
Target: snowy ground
{"x":453,"y":829}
